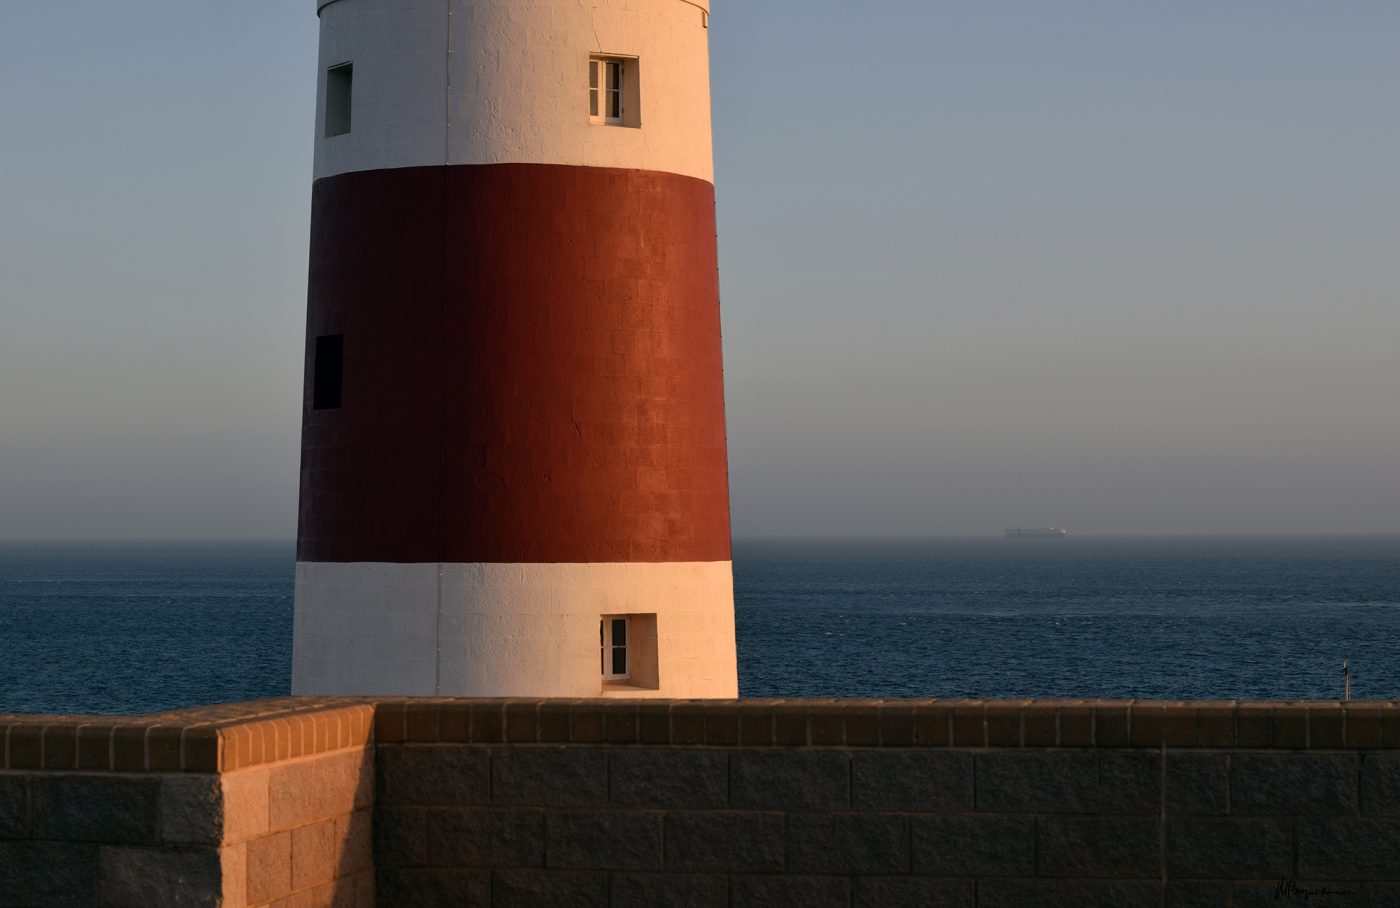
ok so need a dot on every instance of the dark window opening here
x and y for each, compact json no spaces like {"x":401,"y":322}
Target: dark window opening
{"x":340,"y":83}
{"x":329,"y":365}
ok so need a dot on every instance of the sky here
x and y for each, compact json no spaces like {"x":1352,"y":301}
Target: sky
{"x":1120,"y":266}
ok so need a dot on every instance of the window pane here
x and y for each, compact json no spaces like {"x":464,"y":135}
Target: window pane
{"x":615,"y":104}
{"x":593,"y":103}
{"x":614,"y":76}
{"x":619,"y":660}
{"x":619,"y":632}
{"x":593,"y":73}
{"x":327,"y":372}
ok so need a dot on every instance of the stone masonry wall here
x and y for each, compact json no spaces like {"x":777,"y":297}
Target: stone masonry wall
{"x":260,"y":804}
{"x":886,"y":804}
{"x":298,"y":803}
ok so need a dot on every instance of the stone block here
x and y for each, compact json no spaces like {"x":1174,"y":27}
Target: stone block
{"x":913,"y":780}
{"x":233,"y":867}
{"x":314,"y":850}
{"x":1381,"y":895}
{"x":1380,"y":785}
{"x":725,"y":842}
{"x":1198,"y":784}
{"x":1100,"y":847}
{"x":912,"y":891}
{"x":1349,"y":849}
{"x":789,"y":891}
{"x":432,"y":774}
{"x":269,"y":867}
{"x":974,"y":845}
{"x":677,"y":777}
{"x":400,"y":836}
{"x":1223,"y":848}
{"x":484,"y":837}
{"x":354,"y":839}
{"x":848,"y":843}
{"x":1005,"y":893}
{"x":670,"y":890}
{"x":47,"y":875}
{"x":1306,"y":784}
{"x":603,"y":840}
{"x":536,"y":888}
{"x":319,"y":788}
{"x":458,"y":888}
{"x":191,"y":809}
{"x":794,"y":779}
{"x":1129,"y":782}
{"x":171,"y":877}
{"x":95,"y":809}
{"x":247,"y":805}
{"x":549,"y":776}
{"x":14,"y":806}
{"x":364,"y":891}
{"x":1066,"y":782}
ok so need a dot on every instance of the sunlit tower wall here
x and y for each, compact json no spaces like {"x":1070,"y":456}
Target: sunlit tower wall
{"x":514,"y":477}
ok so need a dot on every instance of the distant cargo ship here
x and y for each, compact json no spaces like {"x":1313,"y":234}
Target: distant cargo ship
{"x":1035,"y":532}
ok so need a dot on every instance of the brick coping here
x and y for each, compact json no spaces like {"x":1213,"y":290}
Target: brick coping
{"x":218,"y":739}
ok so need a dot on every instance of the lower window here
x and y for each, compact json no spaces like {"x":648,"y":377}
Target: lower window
{"x":612,"y":637}
{"x":627,"y":652}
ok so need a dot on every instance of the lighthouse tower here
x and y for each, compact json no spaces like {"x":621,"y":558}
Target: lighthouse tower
{"x":513,"y":475}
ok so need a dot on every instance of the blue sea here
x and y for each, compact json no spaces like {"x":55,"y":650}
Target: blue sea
{"x":131,"y":628}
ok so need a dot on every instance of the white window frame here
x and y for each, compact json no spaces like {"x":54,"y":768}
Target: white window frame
{"x":606,"y":646}
{"x":599,"y":93}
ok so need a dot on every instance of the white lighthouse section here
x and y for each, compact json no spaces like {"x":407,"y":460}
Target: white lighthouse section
{"x":499,"y":630}
{"x":506,"y":82}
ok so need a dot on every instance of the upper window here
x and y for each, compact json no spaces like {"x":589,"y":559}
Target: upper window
{"x":340,"y":89}
{"x":328,"y":368}
{"x":613,"y":91}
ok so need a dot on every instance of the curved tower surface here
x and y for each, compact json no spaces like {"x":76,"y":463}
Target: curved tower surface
{"x":514,"y":478}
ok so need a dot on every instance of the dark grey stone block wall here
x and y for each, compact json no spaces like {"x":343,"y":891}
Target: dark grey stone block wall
{"x":658,"y":825}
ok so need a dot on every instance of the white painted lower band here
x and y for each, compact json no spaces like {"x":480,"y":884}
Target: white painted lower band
{"x":507,"y":630}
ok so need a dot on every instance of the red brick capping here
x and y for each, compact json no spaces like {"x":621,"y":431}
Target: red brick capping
{"x":218,"y":739}
{"x":211,"y":739}
{"x":1222,"y":724}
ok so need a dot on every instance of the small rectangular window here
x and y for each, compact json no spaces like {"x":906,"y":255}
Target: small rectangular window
{"x":340,"y":85}
{"x":612,"y":640}
{"x":613,"y":96}
{"x":327,"y":369}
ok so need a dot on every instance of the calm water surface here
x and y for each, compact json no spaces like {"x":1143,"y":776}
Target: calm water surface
{"x":135,"y":628}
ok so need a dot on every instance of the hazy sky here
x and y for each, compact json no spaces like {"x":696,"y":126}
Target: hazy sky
{"x":1121,"y":266}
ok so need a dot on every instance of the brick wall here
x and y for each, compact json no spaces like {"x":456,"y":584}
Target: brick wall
{"x":621,"y":803}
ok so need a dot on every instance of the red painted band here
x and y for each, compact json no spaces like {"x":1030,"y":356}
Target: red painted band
{"x":532,"y":368}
